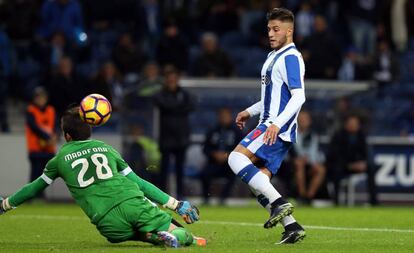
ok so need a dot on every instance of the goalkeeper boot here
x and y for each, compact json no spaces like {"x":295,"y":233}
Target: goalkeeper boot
{"x":168,"y":239}
{"x":277,"y":213}
{"x":293,"y":236}
{"x":199,"y":241}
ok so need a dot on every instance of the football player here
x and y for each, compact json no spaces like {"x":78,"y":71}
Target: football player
{"x":117,"y":201}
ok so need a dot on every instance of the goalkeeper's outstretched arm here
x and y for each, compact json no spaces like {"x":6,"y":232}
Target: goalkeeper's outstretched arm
{"x":25,"y":193}
{"x":189,"y":212}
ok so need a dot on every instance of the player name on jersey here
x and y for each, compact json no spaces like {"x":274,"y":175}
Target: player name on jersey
{"x":83,"y":152}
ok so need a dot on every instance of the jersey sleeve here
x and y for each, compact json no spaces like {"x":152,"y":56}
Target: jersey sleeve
{"x":27,"y":192}
{"x":293,"y":72}
{"x":50,"y":173}
{"x":255,"y":108}
{"x":150,"y":191}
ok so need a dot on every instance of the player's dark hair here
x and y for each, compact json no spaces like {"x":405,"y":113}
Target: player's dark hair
{"x":73,"y":125}
{"x":281,"y":14}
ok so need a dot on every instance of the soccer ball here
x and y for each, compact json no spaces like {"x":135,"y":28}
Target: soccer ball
{"x":95,"y":109}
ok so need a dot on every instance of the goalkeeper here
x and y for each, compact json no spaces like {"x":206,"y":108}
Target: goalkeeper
{"x":116,"y":200}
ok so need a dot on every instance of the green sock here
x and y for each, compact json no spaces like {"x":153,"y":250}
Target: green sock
{"x":184,"y":237}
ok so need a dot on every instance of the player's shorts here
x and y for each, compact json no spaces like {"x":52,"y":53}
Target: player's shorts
{"x":132,"y":217}
{"x":271,"y":155}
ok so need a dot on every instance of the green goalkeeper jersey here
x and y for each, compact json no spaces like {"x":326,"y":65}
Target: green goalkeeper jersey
{"x":94,"y":174}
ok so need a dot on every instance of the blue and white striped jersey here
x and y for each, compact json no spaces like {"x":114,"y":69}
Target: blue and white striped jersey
{"x":282,"y":75}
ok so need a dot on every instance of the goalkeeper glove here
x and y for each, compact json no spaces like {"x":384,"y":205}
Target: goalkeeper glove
{"x":188,"y":212}
{"x":4,"y":205}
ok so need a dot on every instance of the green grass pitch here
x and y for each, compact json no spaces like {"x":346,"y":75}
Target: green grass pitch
{"x":64,"y":228}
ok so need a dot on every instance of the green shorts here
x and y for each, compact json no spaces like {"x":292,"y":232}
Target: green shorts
{"x":131,"y":218}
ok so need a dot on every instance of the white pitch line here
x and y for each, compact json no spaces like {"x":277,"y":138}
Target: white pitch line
{"x":315,"y":227}
{"x":65,"y":217}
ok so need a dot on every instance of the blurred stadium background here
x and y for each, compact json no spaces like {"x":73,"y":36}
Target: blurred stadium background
{"x":359,"y":57}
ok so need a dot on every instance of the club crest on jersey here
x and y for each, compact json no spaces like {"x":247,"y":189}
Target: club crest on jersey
{"x":266,"y":80}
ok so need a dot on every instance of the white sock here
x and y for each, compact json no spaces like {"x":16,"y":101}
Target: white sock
{"x":263,"y":201}
{"x":250,"y":174}
{"x":288,"y":220}
{"x":261,"y":183}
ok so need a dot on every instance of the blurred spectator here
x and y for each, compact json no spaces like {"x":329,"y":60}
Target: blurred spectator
{"x":347,"y":70}
{"x":336,"y":115}
{"x":397,"y":23}
{"x":320,"y":52}
{"x":152,"y":17}
{"x":362,"y":22}
{"x":213,"y":62}
{"x":348,"y":154}
{"x":354,"y":66}
{"x":149,"y":23}
{"x":309,"y":168}
{"x":174,"y":104}
{"x":51,"y":53}
{"x":151,"y":82}
{"x":304,"y":19}
{"x":40,"y":132}
{"x":108,"y":82}
{"x":61,"y":15}
{"x":143,"y":155}
{"x":385,"y":66}
{"x":219,"y":142}
{"x":65,"y":87}
{"x":172,"y":47}
{"x":127,"y":56}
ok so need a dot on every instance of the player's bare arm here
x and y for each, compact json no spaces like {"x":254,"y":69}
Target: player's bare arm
{"x":242,"y":118}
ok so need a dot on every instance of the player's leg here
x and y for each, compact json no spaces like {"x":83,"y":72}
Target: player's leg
{"x":157,"y":225}
{"x":199,"y":241}
{"x":272,"y":156}
{"x":279,"y":209}
{"x":259,"y":181}
{"x":251,"y":149}
{"x":114,"y":227}
{"x":294,"y":232}
{"x":176,"y":236}
{"x":124,"y":223}
{"x":240,"y":161}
